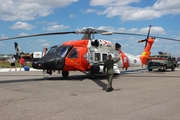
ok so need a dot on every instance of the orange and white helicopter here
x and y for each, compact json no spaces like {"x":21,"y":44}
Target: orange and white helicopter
{"x":87,"y":54}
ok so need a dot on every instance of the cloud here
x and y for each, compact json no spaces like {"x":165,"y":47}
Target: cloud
{"x":53,"y":23}
{"x":22,"y":26}
{"x":90,"y":11}
{"x":23,"y":34}
{"x":126,"y":12}
{"x":11,"y":10}
{"x":109,"y":28}
{"x":57,"y":27}
{"x":112,"y":2}
{"x":41,"y":41}
{"x":3,"y":36}
{"x":45,"y":45}
{"x":154,"y":30}
{"x":72,"y":16}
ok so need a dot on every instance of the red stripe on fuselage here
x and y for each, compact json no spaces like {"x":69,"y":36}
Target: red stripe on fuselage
{"x":125,"y":60}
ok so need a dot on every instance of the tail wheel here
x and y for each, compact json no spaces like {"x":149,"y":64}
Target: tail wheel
{"x":164,"y":68}
{"x":65,"y":73}
{"x":150,"y":69}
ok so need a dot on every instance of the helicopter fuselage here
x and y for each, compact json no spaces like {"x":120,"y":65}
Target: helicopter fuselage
{"x":79,"y":55}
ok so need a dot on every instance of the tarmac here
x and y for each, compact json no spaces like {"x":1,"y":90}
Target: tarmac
{"x":138,"y":95}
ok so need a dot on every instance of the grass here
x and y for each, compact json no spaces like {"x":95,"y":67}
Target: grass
{"x":5,"y":64}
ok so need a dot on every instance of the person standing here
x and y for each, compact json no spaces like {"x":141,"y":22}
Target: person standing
{"x":109,"y":63}
{"x":12,"y":63}
{"x":21,"y":61}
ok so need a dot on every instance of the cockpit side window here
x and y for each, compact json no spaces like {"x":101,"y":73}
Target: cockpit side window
{"x":63,"y":50}
{"x":73,"y":54}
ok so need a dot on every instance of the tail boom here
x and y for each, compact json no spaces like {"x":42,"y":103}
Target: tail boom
{"x":146,"y":53}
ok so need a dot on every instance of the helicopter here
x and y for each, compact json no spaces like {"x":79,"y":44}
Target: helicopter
{"x":88,"y":54}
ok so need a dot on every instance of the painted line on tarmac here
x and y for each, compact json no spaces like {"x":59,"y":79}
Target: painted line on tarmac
{"x":13,"y":70}
{"x":134,"y":71}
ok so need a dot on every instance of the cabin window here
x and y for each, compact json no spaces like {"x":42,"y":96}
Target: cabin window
{"x":97,"y":57}
{"x":73,"y":54}
{"x":104,"y":57}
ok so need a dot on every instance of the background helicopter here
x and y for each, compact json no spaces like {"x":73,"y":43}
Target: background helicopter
{"x":88,"y":54}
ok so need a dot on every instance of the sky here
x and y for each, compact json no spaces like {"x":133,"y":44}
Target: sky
{"x":25,"y":17}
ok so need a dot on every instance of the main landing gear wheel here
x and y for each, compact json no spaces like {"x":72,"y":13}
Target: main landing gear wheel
{"x":65,"y":73}
{"x":91,"y":74}
{"x":94,"y":69}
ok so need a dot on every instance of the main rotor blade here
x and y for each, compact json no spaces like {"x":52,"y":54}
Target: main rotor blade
{"x":42,"y":34}
{"x":128,"y":33}
{"x":172,"y":39}
{"x":134,"y":34}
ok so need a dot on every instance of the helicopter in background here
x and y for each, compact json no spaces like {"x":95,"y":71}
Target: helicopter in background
{"x":88,"y":54}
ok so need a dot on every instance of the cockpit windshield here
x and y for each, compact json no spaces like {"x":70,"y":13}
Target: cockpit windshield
{"x":52,"y":50}
{"x":59,"y":50}
{"x":63,"y":50}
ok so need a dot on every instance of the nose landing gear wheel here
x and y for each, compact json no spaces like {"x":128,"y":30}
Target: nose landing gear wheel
{"x":49,"y":72}
{"x":65,"y":73}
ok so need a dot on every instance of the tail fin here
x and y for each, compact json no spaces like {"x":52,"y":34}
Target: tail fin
{"x":146,"y":53}
{"x":18,"y":49}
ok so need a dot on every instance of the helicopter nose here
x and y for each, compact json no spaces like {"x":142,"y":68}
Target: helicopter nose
{"x":59,"y":63}
{"x":54,"y":63}
{"x":38,"y":64}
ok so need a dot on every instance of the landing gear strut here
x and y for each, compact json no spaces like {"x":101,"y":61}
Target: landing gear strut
{"x":49,"y":72}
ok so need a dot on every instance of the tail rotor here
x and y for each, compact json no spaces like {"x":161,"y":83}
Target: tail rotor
{"x":146,"y":40}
